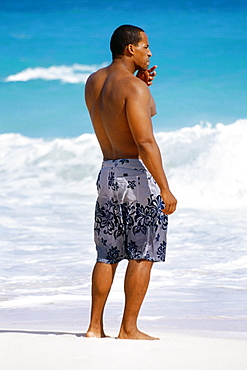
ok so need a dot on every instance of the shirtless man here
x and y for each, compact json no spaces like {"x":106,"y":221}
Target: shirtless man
{"x":134,"y":197}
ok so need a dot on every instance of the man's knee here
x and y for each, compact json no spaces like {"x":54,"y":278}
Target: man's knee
{"x":141,"y":262}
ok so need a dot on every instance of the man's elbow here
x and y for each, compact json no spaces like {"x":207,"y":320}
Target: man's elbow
{"x":153,"y":111}
{"x":145,"y":146}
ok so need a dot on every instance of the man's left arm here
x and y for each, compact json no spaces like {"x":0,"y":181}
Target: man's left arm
{"x":148,"y":77}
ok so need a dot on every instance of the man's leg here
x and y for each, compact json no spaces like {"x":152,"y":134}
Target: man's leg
{"x":136,"y":284}
{"x":102,"y":278}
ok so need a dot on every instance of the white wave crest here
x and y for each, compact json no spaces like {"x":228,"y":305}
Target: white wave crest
{"x":205,"y":165}
{"x":75,"y":74}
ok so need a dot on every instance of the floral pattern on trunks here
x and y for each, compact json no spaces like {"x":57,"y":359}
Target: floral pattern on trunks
{"x":161,"y":252}
{"x":122,"y":161}
{"x":98,"y":181}
{"x":113,"y":255}
{"x":129,"y":222}
{"x":131,"y":184}
{"x":108,"y":219}
{"x":113,"y":219}
{"x":132,"y":251}
{"x":111,"y":182}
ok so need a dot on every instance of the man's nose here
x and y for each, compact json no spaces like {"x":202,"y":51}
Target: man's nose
{"x":149,"y":53}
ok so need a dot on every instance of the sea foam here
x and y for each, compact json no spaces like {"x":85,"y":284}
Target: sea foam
{"x":205,"y":165}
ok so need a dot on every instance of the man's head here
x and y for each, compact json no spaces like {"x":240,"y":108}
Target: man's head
{"x":122,"y":37}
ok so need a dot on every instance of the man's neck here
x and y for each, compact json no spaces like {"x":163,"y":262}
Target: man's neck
{"x":124,"y":63}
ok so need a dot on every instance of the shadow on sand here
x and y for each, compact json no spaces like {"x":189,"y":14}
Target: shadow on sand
{"x":42,"y":332}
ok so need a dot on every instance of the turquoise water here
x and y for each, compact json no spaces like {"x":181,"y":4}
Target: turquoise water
{"x":200,"y":51}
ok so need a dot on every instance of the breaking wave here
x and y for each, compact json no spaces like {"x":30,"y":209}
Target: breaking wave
{"x":205,"y":165}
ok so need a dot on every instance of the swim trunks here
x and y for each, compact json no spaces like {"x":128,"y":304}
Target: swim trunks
{"x":129,"y":222}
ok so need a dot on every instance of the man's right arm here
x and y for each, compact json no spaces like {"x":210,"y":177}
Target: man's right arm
{"x":138,"y":111}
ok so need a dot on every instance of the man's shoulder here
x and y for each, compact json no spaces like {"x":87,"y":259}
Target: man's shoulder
{"x":96,"y":75}
{"x":125,"y":82}
{"x":136,"y":86}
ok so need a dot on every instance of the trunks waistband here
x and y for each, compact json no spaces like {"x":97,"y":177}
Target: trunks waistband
{"x":124,"y":162}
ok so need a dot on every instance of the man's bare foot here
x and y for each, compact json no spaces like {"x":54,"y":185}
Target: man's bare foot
{"x":96,"y":334}
{"x":136,"y":334}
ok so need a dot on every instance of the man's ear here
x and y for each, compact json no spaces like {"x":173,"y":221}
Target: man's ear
{"x":130,"y":49}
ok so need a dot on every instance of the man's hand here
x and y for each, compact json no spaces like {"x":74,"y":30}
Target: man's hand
{"x":170,"y":202}
{"x":147,"y":76}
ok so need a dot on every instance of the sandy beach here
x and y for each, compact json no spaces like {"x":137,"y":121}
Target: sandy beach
{"x":38,"y":350}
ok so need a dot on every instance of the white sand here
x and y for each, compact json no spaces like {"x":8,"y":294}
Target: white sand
{"x":51,"y":351}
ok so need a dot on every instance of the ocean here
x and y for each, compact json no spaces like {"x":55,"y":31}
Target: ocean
{"x":49,"y":160}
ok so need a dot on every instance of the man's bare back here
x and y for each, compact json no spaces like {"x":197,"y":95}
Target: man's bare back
{"x":107,"y":93}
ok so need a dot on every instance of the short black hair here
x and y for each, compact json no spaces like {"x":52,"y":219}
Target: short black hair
{"x":122,"y":37}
